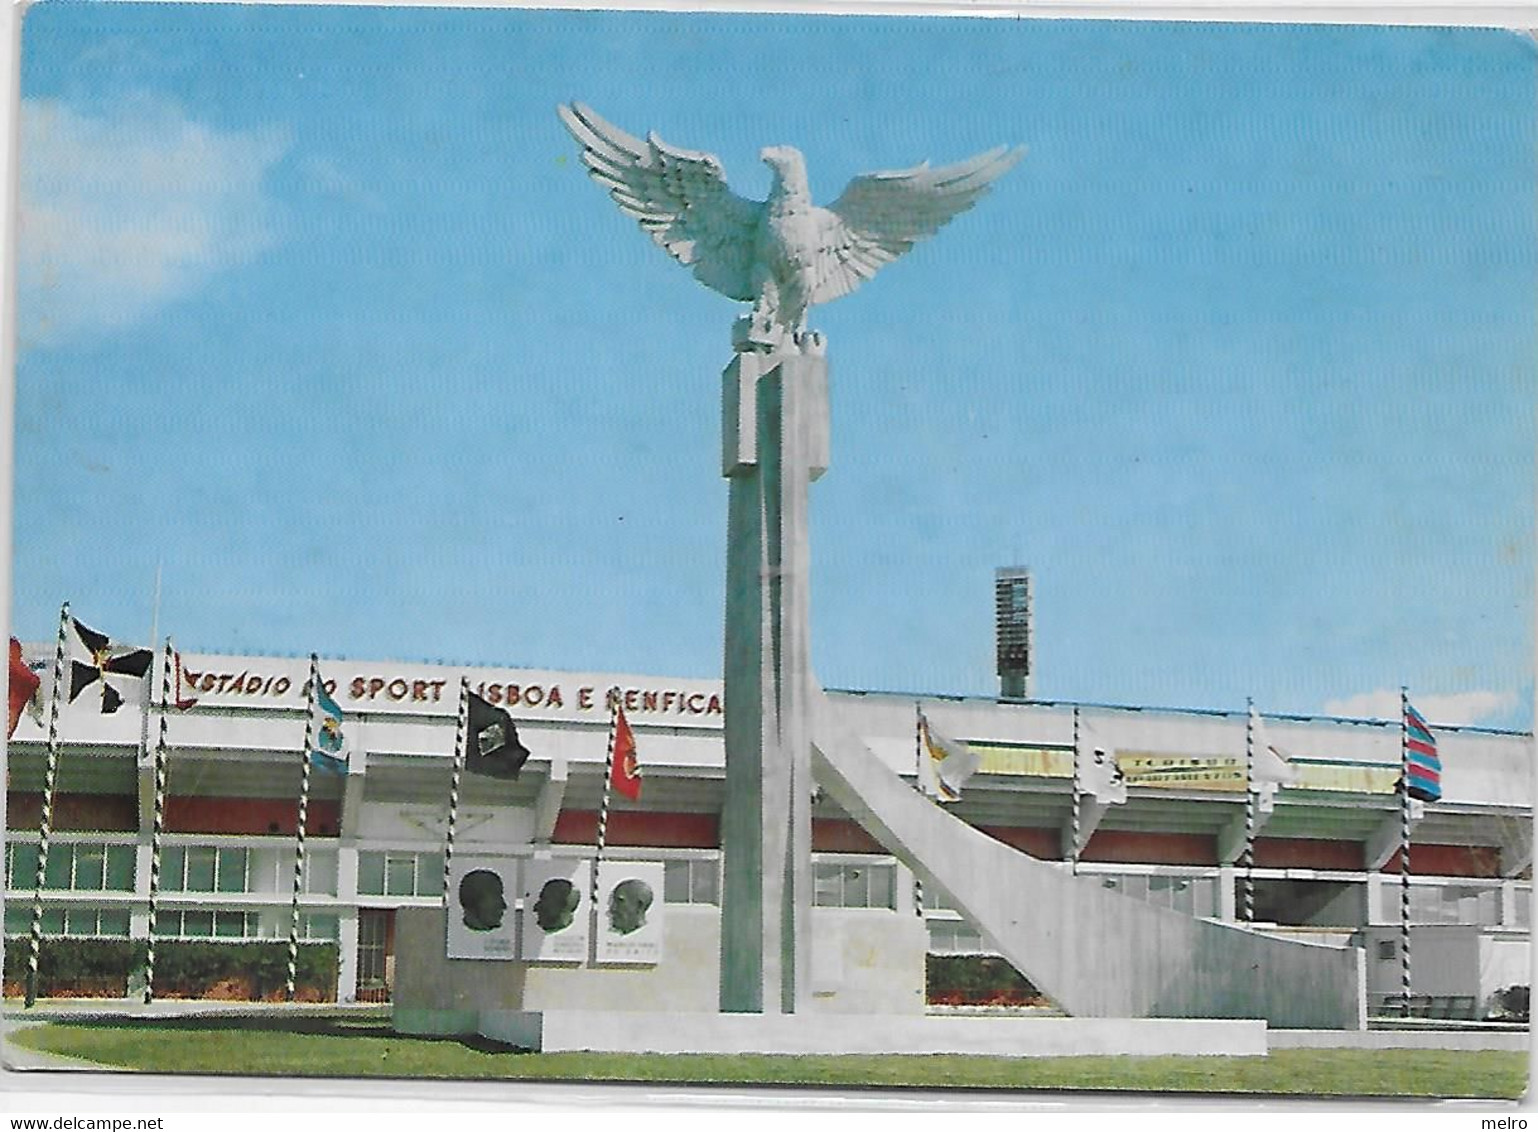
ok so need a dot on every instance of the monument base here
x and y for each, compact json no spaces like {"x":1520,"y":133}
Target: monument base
{"x":554,"y":1031}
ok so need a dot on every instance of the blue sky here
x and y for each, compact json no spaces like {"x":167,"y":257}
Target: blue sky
{"x":319,"y":315}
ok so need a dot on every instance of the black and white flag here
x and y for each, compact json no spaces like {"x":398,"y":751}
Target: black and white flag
{"x":492,"y":747}
{"x":103,"y":674}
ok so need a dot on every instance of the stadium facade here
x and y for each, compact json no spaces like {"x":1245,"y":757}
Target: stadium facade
{"x":1326,"y":846}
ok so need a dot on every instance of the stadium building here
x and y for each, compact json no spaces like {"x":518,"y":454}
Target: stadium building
{"x":1326,"y":846}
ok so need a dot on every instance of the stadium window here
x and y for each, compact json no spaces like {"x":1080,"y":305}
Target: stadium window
{"x":120,"y":868}
{"x":202,"y":865}
{"x":693,"y":880}
{"x":90,"y":867}
{"x":61,"y":863}
{"x":197,"y":925}
{"x":845,"y":885}
{"x":371,"y":874}
{"x":231,"y":869}
{"x":322,"y":926}
{"x":113,"y":922}
{"x":400,"y":874}
{"x":18,"y":920}
{"x":955,"y":937}
{"x":21,"y":865}
{"x":320,"y":874}
{"x":429,"y":874}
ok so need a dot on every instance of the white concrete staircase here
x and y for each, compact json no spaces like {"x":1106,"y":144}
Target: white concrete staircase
{"x":1095,"y":951}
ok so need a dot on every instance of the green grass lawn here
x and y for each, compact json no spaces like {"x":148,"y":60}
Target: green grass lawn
{"x":342,"y":1048}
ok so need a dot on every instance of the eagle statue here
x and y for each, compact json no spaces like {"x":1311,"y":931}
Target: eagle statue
{"x":784,"y":254}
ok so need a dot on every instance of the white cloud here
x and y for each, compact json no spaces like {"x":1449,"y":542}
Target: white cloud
{"x":1459,"y":709}
{"x":125,"y":212}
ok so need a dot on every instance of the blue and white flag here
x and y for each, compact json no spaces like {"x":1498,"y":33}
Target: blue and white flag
{"x":328,"y":747}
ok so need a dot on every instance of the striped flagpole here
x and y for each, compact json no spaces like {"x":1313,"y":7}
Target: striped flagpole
{"x":1078,"y":796}
{"x":603,"y":805}
{"x":918,"y":771}
{"x":460,"y":733}
{"x":1404,"y":849}
{"x":1249,"y":811}
{"x":45,"y":825}
{"x":162,"y":769}
{"x":304,"y":808}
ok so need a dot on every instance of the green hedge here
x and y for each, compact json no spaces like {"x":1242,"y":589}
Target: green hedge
{"x":187,"y":968}
{"x":976,"y":980}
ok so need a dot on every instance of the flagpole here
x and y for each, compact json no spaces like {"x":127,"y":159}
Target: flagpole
{"x":1249,"y":810}
{"x":144,"y":722}
{"x":603,"y":805}
{"x":162,"y":770}
{"x":304,"y":807}
{"x":1078,"y":797}
{"x":45,"y":825}
{"x":461,"y":730}
{"x":918,"y":780}
{"x":1404,"y":848}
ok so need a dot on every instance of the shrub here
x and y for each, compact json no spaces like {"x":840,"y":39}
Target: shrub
{"x":183,"y":968}
{"x":977,"y":980}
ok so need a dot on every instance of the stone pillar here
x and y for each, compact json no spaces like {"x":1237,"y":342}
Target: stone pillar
{"x":774,"y":443}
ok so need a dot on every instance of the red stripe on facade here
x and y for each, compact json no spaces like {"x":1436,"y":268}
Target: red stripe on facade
{"x":261,"y":816}
{"x":1307,"y":853}
{"x":73,"y":813}
{"x":642,"y":829}
{"x":1449,"y":861}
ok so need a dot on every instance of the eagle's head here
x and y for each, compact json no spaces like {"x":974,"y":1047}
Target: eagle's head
{"x":789,"y":168}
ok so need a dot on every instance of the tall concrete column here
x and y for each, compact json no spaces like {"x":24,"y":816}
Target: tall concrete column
{"x":774,"y":444}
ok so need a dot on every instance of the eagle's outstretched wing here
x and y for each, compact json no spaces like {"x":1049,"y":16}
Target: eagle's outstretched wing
{"x":679,"y":197}
{"x":881,"y":215}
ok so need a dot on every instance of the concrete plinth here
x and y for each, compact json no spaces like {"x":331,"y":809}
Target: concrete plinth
{"x":553,"y":1031}
{"x":774,"y":443}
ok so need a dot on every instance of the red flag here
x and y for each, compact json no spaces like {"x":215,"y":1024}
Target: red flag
{"x":23,"y":684}
{"x":625,"y":774}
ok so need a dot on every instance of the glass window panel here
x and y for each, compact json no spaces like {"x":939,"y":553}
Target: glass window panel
{"x":320,"y":874}
{"x":80,"y":921}
{"x":120,"y":868}
{"x":53,"y":921}
{"x":882,"y":883}
{"x":231,"y":925}
{"x":675,"y":882}
{"x":429,"y":874}
{"x":168,"y":924}
{"x":61,"y":858}
{"x":113,"y":922}
{"x":90,"y":867}
{"x":198,"y":925}
{"x":173,"y":868}
{"x":704,"y":882}
{"x":1524,"y":909}
{"x":825,"y":886}
{"x":856,"y":886}
{"x":18,"y":920}
{"x":400,"y":875}
{"x":371,"y":871}
{"x":322,"y":925}
{"x":232,"y":870}
{"x":201,"y":863}
{"x":23,"y":867}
